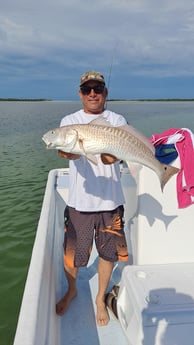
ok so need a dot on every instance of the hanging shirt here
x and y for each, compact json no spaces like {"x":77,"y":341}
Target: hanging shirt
{"x":183,"y":139}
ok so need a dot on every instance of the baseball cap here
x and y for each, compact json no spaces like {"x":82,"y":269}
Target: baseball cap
{"x":92,"y":75}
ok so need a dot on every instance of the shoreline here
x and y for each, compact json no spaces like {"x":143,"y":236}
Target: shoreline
{"x":108,"y":100}
{"x":153,"y":100}
{"x":24,"y":99}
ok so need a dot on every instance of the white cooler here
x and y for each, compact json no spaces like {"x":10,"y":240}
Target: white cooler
{"x":156,"y":304}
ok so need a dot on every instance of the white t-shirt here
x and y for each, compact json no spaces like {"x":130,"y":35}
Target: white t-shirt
{"x":94,"y":188}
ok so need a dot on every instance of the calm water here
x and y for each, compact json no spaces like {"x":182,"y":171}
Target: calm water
{"x":24,"y":166}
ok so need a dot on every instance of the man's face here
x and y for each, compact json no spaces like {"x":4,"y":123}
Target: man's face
{"x":93,"y":95}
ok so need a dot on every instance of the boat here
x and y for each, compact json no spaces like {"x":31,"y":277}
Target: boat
{"x":155,"y":302}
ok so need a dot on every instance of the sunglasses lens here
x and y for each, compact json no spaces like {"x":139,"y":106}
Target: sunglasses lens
{"x":87,"y":89}
{"x":99,"y":89}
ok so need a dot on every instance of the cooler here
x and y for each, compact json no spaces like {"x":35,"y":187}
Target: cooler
{"x":156,"y":304}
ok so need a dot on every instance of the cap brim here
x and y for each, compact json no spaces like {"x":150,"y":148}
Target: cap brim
{"x":92,"y":79}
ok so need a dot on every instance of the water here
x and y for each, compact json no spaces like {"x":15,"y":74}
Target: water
{"x":24,"y":166}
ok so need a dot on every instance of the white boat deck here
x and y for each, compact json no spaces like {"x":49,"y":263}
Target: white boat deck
{"x":78,"y":325}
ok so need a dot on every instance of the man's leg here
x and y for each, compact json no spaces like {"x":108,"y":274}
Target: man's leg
{"x":110,"y":243}
{"x":63,"y":304}
{"x":104,"y":274}
{"x":77,"y":246}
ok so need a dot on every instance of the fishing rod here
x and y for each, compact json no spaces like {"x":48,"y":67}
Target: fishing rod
{"x":111,"y":66}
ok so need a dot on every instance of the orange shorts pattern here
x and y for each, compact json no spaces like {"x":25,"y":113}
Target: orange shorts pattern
{"x":107,"y":228}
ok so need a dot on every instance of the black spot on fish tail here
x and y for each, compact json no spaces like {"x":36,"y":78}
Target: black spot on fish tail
{"x":168,"y":172}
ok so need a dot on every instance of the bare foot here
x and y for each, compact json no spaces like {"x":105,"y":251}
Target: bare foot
{"x":102,"y":316}
{"x":64,"y":302}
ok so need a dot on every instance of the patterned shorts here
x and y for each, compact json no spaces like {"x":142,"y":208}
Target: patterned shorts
{"x":105,"y":227}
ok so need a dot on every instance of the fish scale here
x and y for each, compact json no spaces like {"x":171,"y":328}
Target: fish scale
{"x":106,"y":138}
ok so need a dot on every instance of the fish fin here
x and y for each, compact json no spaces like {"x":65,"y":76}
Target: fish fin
{"x":134,"y":168}
{"x":100,"y":121}
{"x":64,"y":149}
{"x":80,"y":142}
{"x":81,"y":146}
{"x":168,"y":172}
{"x":133,"y":131}
{"x":90,"y":157}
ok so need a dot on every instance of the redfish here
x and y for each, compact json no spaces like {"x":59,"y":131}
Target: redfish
{"x":99,"y":136}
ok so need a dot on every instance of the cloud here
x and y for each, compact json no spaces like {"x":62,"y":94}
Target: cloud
{"x":41,"y":39}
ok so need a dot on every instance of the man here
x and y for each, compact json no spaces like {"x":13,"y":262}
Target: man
{"x":95,"y":202}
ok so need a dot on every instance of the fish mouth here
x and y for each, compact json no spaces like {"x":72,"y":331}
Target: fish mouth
{"x":48,"y":143}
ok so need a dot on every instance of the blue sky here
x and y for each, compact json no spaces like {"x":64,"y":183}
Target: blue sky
{"x":46,"y":45}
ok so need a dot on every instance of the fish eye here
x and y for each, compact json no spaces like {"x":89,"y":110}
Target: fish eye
{"x":52,"y":132}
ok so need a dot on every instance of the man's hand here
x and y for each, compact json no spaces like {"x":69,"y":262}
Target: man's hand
{"x":108,"y":159}
{"x":68,"y":155}
{"x":105,"y":157}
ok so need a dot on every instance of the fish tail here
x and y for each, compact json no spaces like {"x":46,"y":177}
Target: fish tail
{"x":168,"y":172}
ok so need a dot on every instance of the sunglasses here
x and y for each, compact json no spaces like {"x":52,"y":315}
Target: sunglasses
{"x":87,"y":89}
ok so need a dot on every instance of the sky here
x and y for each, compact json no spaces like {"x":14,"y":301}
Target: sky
{"x":144,"y":48}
